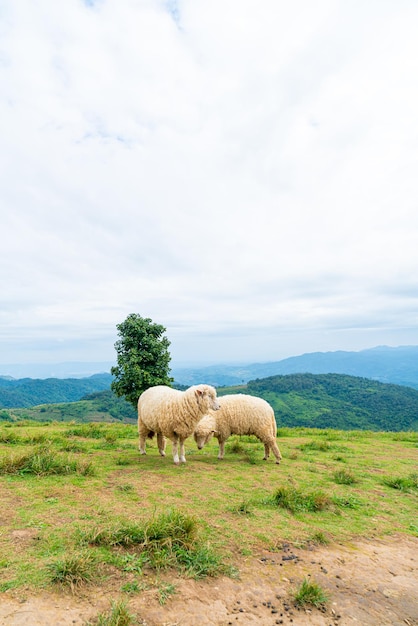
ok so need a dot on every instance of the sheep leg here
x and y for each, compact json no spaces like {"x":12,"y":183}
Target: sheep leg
{"x":276,"y":451}
{"x":182,"y":452}
{"x":266,"y":451}
{"x":221,"y":449}
{"x":176,"y":450}
{"x":161,"y":443}
{"x":142,"y":439}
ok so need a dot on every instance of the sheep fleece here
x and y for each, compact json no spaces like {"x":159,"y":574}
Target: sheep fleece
{"x":240,"y":414}
{"x":172,"y":412}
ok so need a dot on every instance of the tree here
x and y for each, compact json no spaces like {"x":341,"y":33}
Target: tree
{"x":143,"y":358}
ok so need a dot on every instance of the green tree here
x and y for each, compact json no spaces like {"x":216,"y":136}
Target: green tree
{"x":143,"y":358}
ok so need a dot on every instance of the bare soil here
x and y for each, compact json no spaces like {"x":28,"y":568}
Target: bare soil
{"x":369,"y":582}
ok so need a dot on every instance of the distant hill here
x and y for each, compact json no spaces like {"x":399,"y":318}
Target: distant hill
{"x":26,"y":392}
{"x":389,"y":365}
{"x":299,"y":400}
{"x":338,"y":401}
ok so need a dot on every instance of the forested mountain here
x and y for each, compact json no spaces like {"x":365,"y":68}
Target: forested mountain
{"x":26,"y":392}
{"x":389,"y":365}
{"x":338,"y":401}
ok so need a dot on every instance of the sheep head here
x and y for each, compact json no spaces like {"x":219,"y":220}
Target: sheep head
{"x":204,"y":431}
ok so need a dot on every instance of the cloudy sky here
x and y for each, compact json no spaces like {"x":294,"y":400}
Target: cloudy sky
{"x":244,"y":172}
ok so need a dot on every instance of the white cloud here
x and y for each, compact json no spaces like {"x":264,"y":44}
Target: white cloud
{"x":241,"y":167}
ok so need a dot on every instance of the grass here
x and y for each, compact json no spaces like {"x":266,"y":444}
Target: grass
{"x":403,"y":483}
{"x":43,"y":461}
{"x":83,"y":489}
{"x":310,"y":593}
{"x":295,"y":500}
{"x":344,"y":477}
{"x":118,"y":615}
{"x":73,"y":570}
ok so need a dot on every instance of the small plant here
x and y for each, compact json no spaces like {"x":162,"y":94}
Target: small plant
{"x":242,"y":509}
{"x":118,"y":615}
{"x":251,"y":457}
{"x":165,"y":591}
{"x":111,"y":437}
{"x":321,"y":446}
{"x":124,"y":460}
{"x":9,"y":437}
{"x":406,"y":483}
{"x":319,"y":538}
{"x":201,"y":561}
{"x":296,"y":501}
{"x":73,"y":571}
{"x":126,"y":488}
{"x":134,"y":587}
{"x":310,"y":594}
{"x":347,"y":502}
{"x":344,"y":477}
{"x":235,"y":447}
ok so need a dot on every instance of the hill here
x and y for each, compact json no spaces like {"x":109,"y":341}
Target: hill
{"x":338,"y":401}
{"x":389,"y":365}
{"x":299,"y":400}
{"x":26,"y":392}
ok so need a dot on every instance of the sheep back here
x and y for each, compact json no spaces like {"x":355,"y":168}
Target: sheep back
{"x":242,"y":414}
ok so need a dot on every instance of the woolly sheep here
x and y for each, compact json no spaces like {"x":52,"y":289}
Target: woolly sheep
{"x":239,"y":414}
{"x":173,"y":414}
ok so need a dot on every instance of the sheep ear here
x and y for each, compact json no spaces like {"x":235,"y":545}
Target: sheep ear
{"x":199,"y":392}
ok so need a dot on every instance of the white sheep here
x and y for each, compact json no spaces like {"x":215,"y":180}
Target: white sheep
{"x":174,"y":414}
{"x":240,"y":414}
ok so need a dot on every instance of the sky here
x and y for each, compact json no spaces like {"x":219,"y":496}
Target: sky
{"x":243,"y":172}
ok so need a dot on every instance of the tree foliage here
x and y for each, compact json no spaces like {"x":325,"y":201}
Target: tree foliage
{"x":142,"y":356}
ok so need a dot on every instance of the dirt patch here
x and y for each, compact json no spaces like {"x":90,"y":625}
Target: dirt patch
{"x":369,"y":582}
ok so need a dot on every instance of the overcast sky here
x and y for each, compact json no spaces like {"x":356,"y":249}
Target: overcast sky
{"x":243,"y":172}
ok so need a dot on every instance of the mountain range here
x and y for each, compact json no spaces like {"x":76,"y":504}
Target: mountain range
{"x":385,"y":364}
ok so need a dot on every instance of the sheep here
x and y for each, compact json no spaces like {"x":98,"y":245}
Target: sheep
{"x":173,"y":414}
{"x":240,"y":414}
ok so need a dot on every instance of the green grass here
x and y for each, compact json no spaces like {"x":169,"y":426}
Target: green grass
{"x":42,"y":462}
{"x":295,"y":500}
{"x":77,"y":489}
{"x":403,"y":483}
{"x":310,"y":593}
{"x":73,"y":570}
{"x":344,"y":477}
{"x":118,"y":615}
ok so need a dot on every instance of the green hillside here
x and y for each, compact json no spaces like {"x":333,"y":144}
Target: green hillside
{"x":101,"y":406}
{"x":338,"y":401}
{"x":27,"y":392}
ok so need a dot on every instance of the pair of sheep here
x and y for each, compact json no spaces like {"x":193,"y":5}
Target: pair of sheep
{"x":177,"y":415}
